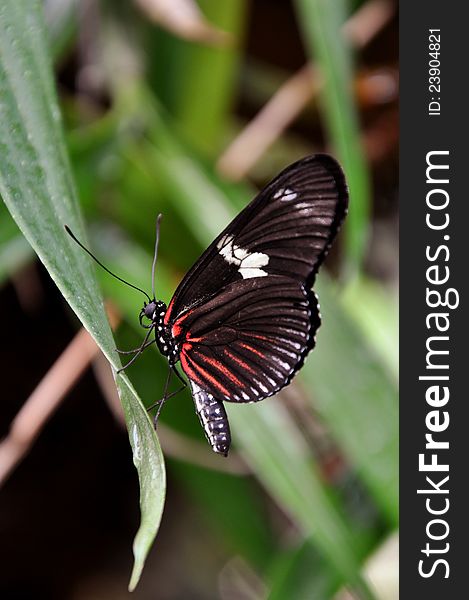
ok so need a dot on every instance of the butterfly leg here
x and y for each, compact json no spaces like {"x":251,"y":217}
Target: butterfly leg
{"x":158,"y":402}
{"x":166,"y":396}
{"x":180,"y":377}
{"x":161,"y":402}
{"x":139,"y":349}
{"x":138,"y":352}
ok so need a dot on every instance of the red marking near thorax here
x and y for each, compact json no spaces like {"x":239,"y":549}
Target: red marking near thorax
{"x":168,"y":312}
{"x":176,"y":329}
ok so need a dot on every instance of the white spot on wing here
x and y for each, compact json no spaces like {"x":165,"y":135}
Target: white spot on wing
{"x":240,"y":253}
{"x":281,"y":363}
{"x":222,"y":241}
{"x":276,"y":371}
{"x":262,"y":387}
{"x":288,"y":195}
{"x":295,"y":345}
{"x":250,"y":272}
{"x":285,"y":195}
{"x":255,"y":260}
{"x":285,"y":351}
{"x":249,"y":263}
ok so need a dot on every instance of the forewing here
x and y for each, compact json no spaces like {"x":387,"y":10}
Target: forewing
{"x":248,"y":341}
{"x":286,"y":230}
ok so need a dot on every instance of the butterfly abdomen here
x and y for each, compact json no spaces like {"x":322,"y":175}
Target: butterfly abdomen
{"x":213,"y":419}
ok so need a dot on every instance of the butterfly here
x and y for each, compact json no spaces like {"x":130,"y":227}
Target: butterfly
{"x":244,"y":318}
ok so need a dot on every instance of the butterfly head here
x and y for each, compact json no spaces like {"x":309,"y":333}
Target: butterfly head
{"x":154,"y":311}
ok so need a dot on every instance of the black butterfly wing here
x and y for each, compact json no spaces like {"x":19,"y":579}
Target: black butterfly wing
{"x":244,"y":317}
{"x":286,"y":230}
{"x":248,"y":341}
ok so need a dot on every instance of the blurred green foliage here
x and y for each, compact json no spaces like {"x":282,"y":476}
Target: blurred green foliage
{"x":151,"y":147}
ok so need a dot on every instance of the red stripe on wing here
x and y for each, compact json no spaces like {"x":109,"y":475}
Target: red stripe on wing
{"x":240,"y":362}
{"x":260,"y":337}
{"x":248,"y":347}
{"x":191,"y":339}
{"x":226,"y":372}
{"x":188,"y":369}
{"x":203,"y":372}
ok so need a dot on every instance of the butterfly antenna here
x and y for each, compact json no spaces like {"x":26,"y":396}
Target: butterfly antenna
{"x":155,"y":256}
{"x":75,"y":239}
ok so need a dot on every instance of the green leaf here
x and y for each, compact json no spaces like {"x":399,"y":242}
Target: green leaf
{"x":321,"y":22}
{"x":37,"y":186}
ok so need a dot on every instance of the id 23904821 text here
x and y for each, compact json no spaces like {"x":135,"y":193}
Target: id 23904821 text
{"x":434,"y":72}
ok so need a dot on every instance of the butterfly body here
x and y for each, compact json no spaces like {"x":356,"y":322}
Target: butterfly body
{"x":213,"y":418}
{"x":244,"y":318}
{"x":155,"y":311}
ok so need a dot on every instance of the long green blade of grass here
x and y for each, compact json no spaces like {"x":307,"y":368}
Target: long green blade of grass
{"x":195,"y":81}
{"x":37,"y":186}
{"x":321,"y":22}
{"x":206,"y":88}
